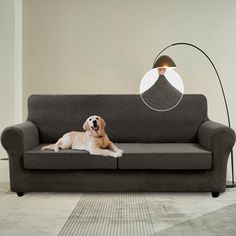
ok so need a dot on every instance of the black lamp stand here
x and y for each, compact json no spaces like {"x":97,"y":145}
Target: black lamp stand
{"x":232,"y":184}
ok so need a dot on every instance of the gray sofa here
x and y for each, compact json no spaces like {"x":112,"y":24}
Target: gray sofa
{"x":178,"y":150}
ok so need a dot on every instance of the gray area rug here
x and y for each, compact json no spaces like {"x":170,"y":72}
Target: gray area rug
{"x":109,"y":214}
{"x":127,"y":214}
{"x":221,"y":222}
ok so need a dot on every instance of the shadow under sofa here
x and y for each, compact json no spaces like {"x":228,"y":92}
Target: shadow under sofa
{"x":178,"y":150}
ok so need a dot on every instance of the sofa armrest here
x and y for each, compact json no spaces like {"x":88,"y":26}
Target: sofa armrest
{"x":19,"y":138}
{"x":216,"y":137}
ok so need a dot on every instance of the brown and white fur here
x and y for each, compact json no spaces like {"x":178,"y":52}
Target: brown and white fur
{"x":94,"y":139}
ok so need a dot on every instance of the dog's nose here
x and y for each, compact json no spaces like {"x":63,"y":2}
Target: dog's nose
{"x":94,"y":122}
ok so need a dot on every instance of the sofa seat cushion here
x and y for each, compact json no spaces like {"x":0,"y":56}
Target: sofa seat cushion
{"x":65,"y":160}
{"x":164,"y":156}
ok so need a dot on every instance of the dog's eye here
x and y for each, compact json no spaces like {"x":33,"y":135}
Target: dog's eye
{"x":97,"y":118}
{"x":90,"y":119}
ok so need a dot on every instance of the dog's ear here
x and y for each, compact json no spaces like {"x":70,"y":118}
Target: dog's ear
{"x":103,"y":123}
{"x":86,"y":126}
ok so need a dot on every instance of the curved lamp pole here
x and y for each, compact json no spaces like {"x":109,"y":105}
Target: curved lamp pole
{"x":223,"y":93}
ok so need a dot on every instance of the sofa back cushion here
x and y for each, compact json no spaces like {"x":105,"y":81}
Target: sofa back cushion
{"x":127,"y":118}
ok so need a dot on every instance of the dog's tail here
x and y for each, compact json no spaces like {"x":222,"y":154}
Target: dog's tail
{"x":50,"y":147}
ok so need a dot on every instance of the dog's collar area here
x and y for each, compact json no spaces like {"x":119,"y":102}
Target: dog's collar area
{"x":97,"y":136}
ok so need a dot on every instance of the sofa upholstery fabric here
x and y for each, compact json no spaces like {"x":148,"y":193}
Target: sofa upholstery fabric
{"x":164,"y":156}
{"x":131,"y":124}
{"x":20,"y":138}
{"x":66,"y":160}
{"x":167,"y":156}
{"x":128,"y":119}
{"x":162,"y":95}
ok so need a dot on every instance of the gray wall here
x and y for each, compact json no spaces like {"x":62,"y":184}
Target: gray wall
{"x":75,"y":46}
{"x":7,"y":86}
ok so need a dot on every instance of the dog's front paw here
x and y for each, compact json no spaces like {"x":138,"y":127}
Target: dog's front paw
{"x":115,"y":154}
{"x":120,"y":152}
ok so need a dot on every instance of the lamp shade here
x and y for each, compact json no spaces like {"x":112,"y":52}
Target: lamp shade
{"x":164,"y":61}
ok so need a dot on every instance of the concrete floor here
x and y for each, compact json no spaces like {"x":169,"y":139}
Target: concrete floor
{"x":46,"y":213}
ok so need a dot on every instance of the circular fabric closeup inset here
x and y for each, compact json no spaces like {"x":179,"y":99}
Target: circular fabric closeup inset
{"x":161,"y":89}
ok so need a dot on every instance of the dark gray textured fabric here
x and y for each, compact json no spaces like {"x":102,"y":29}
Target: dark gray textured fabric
{"x":128,"y":123}
{"x":20,"y":138}
{"x":212,"y":134}
{"x":128,"y":118}
{"x":115,"y":181}
{"x":66,"y":160}
{"x":162,"y":95}
{"x":219,"y":139}
{"x":164,"y":156}
{"x":136,"y":156}
{"x":17,"y":139}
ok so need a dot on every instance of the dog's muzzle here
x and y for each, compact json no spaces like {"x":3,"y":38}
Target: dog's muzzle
{"x":95,"y":126}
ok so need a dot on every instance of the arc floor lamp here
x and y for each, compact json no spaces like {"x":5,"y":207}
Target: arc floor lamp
{"x":165,"y":61}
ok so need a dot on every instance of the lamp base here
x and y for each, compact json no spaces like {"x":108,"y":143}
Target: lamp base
{"x":229,"y":184}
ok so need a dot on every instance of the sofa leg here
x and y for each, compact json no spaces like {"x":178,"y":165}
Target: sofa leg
{"x":215,"y":194}
{"x":20,"y":194}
